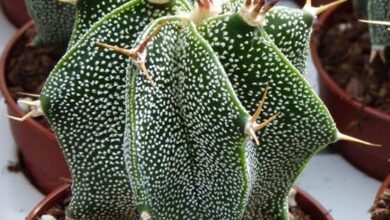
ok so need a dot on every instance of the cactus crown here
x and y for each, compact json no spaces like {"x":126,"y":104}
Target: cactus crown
{"x":167,"y":124}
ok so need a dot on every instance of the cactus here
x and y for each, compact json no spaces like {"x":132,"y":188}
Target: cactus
{"x":379,"y":10}
{"x":89,"y":12}
{"x":155,"y":109}
{"x":53,"y":21}
{"x":92,"y":140}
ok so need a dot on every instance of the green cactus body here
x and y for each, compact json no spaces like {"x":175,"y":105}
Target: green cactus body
{"x":84,"y":102}
{"x":379,"y":10}
{"x":305,"y":126}
{"x":187,"y":133}
{"x":189,"y":158}
{"x":53,"y":21}
{"x":290,"y":30}
{"x":89,"y":12}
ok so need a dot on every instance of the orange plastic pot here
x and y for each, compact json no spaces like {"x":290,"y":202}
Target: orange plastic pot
{"x":38,"y":147}
{"x":309,"y":205}
{"x":373,"y":125}
{"x":15,"y":11}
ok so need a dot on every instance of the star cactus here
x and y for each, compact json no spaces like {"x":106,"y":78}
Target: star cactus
{"x":170,"y":111}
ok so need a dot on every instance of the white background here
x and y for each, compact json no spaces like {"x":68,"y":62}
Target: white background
{"x":338,"y":186}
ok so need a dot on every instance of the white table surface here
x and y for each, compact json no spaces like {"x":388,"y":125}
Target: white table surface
{"x":338,"y":186}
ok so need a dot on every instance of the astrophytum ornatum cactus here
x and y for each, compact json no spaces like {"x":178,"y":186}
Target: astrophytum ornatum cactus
{"x":379,"y":10}
{"x":84,"y":102}
{"x":191,"y":153}
{"x":53,"y":21}
{"x":167,"y":131}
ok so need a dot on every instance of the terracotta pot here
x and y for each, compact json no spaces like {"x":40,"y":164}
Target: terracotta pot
{"x":373,"y":126}
{"x":38,"y":146}
{"x":309,"y":205}
{"x":55,"y":197}
{"x":16,"y":11}
{"x":385,"y":185}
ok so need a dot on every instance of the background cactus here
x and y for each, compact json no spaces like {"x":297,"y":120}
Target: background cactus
{"x":167,"y":131}
{"x":53,"y":21}
{"x":379,"y":10}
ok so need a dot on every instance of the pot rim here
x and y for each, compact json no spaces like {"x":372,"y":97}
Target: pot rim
{"x":48,"y":202}
{"x":54,"y":196}
{"x":306,"y":196}
{"x":330,"y":83}
{"x":30,"y":122}
{"x":385,"y":185}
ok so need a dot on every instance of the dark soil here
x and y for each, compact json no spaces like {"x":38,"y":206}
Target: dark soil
{"x":345,"y":51}
{"x":29,"y":67}
{"x":381,"y":208}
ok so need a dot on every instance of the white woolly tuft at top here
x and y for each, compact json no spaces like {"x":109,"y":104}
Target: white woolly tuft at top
{"x":255,"y":21}
{"x":205,"y":9}
{"x":254,"y":12}
{"x":145,"y":216}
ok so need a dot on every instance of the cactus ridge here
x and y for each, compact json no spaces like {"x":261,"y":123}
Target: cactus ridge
{"x":53,"y":21}
{"x":89,"y":12}
{"x":84,"y":102}
{"x":181,"y":154}
{"x":290,"y":30}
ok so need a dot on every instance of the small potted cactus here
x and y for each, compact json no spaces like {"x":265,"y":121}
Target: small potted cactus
{"x":25,"y":65}
{"x":355,"y":78}
{"x":170,"y":110}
